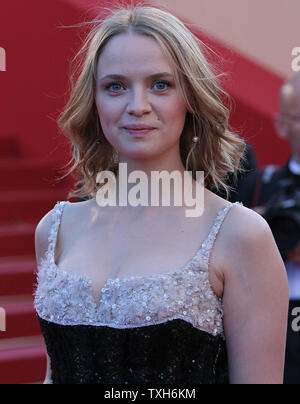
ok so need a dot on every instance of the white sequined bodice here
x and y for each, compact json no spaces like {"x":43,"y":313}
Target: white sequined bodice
{"x":185,"y":293}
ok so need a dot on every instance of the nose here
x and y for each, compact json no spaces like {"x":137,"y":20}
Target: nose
{"x":138,"y":103}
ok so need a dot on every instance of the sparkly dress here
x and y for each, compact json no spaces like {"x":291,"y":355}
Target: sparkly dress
{"x":157,"y":329}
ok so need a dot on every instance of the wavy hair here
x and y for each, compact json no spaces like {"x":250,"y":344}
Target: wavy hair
{"x":219,"y":152}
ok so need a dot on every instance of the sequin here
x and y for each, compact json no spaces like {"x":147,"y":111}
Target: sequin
{"x":174,"y":352}
{"x":65,"y":300}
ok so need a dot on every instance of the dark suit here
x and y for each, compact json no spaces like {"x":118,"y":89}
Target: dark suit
{"x":249,"y":166}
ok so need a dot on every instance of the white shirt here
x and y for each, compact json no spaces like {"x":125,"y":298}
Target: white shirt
{"x":294,"y":167}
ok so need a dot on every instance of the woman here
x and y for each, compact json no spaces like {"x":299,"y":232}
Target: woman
{"x":111,"y":306}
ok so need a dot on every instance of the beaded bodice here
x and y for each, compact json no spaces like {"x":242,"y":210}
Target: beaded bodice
{"x":137,"y":301}
{"x":140,"y":312}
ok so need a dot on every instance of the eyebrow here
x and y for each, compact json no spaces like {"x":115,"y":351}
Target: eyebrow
{"x":121,"y":77}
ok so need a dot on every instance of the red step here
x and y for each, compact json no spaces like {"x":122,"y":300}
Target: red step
{"x":17,"y":277}
{"x":20,"y":315}
{"x":9,"y":147}
{"x":27,"y":192}
{"x":28,"y":206}
{"x":17,"y":240}
{"x":25,"y":173}
{"x":24,"y":363}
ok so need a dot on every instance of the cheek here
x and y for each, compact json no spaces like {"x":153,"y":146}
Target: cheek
{"x":177,"y":116}
{"x":173,"y":116}
{"x":108,"y":112}
{"x":108,"y":117}
{"x":173,"y":111}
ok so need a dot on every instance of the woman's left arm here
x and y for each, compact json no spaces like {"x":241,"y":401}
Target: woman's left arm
{"x":255,"y":302}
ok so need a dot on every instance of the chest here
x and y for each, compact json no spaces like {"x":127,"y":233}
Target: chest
{"x":119,"y":247}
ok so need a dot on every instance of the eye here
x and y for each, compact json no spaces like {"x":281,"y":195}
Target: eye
{"x":163,"y":84}
{"x":116,"y":87}
{"x":114,"y":84}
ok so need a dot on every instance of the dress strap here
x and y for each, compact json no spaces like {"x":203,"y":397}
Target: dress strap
{"x":209,"y":242}
{"x":52,"y":238}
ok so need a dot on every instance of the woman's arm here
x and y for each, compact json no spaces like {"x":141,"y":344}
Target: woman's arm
{"x":48,"y":378}
{"x":255,"y":302}
{"x":41,"y":246}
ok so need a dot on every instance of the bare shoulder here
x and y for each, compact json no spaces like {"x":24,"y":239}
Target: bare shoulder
{"x":245,"y":223}
{"x":252,"y":247}
{"x":44,"y":225}
{"x":75,"y":212}
{"x":246,"y":230}
{"x":243,"y":237}
{"x":76,"y":207}
{"x":41,"y":235}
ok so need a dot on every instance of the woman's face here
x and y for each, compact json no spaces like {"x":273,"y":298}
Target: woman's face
{"x":142,"y":91}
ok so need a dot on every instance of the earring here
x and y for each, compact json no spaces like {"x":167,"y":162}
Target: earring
{"x":195,"y":138}
{"x":98,"y":141}
{"x":116,"y":156}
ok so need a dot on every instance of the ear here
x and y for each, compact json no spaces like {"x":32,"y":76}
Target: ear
{"x":281,"y":127}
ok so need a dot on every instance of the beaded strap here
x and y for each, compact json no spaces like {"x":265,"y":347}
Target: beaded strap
{"x":208,"y":244}
{"x":52,"y":238}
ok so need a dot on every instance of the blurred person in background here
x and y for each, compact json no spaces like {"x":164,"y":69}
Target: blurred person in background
{"x":274,"y":192}
{"x":249,"y":165}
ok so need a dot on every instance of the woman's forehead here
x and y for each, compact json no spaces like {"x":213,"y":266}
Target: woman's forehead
{"x":133,"y":52}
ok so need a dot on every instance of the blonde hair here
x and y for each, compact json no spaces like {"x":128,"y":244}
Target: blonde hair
{"x":217,"y":153}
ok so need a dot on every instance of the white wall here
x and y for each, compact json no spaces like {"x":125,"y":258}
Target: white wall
{"x":266,"y":31}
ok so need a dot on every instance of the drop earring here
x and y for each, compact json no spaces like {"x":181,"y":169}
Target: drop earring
{"x":195,"y":138}
{"x":116,"y":157}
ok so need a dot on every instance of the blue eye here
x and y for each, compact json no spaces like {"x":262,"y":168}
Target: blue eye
{"x":164,"y":83}
{"x":113,"y":85}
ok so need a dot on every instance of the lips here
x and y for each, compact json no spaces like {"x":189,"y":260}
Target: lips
{"x":139,"y":130}
{"x":139,"y":127}
{"x":139,"y":133}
